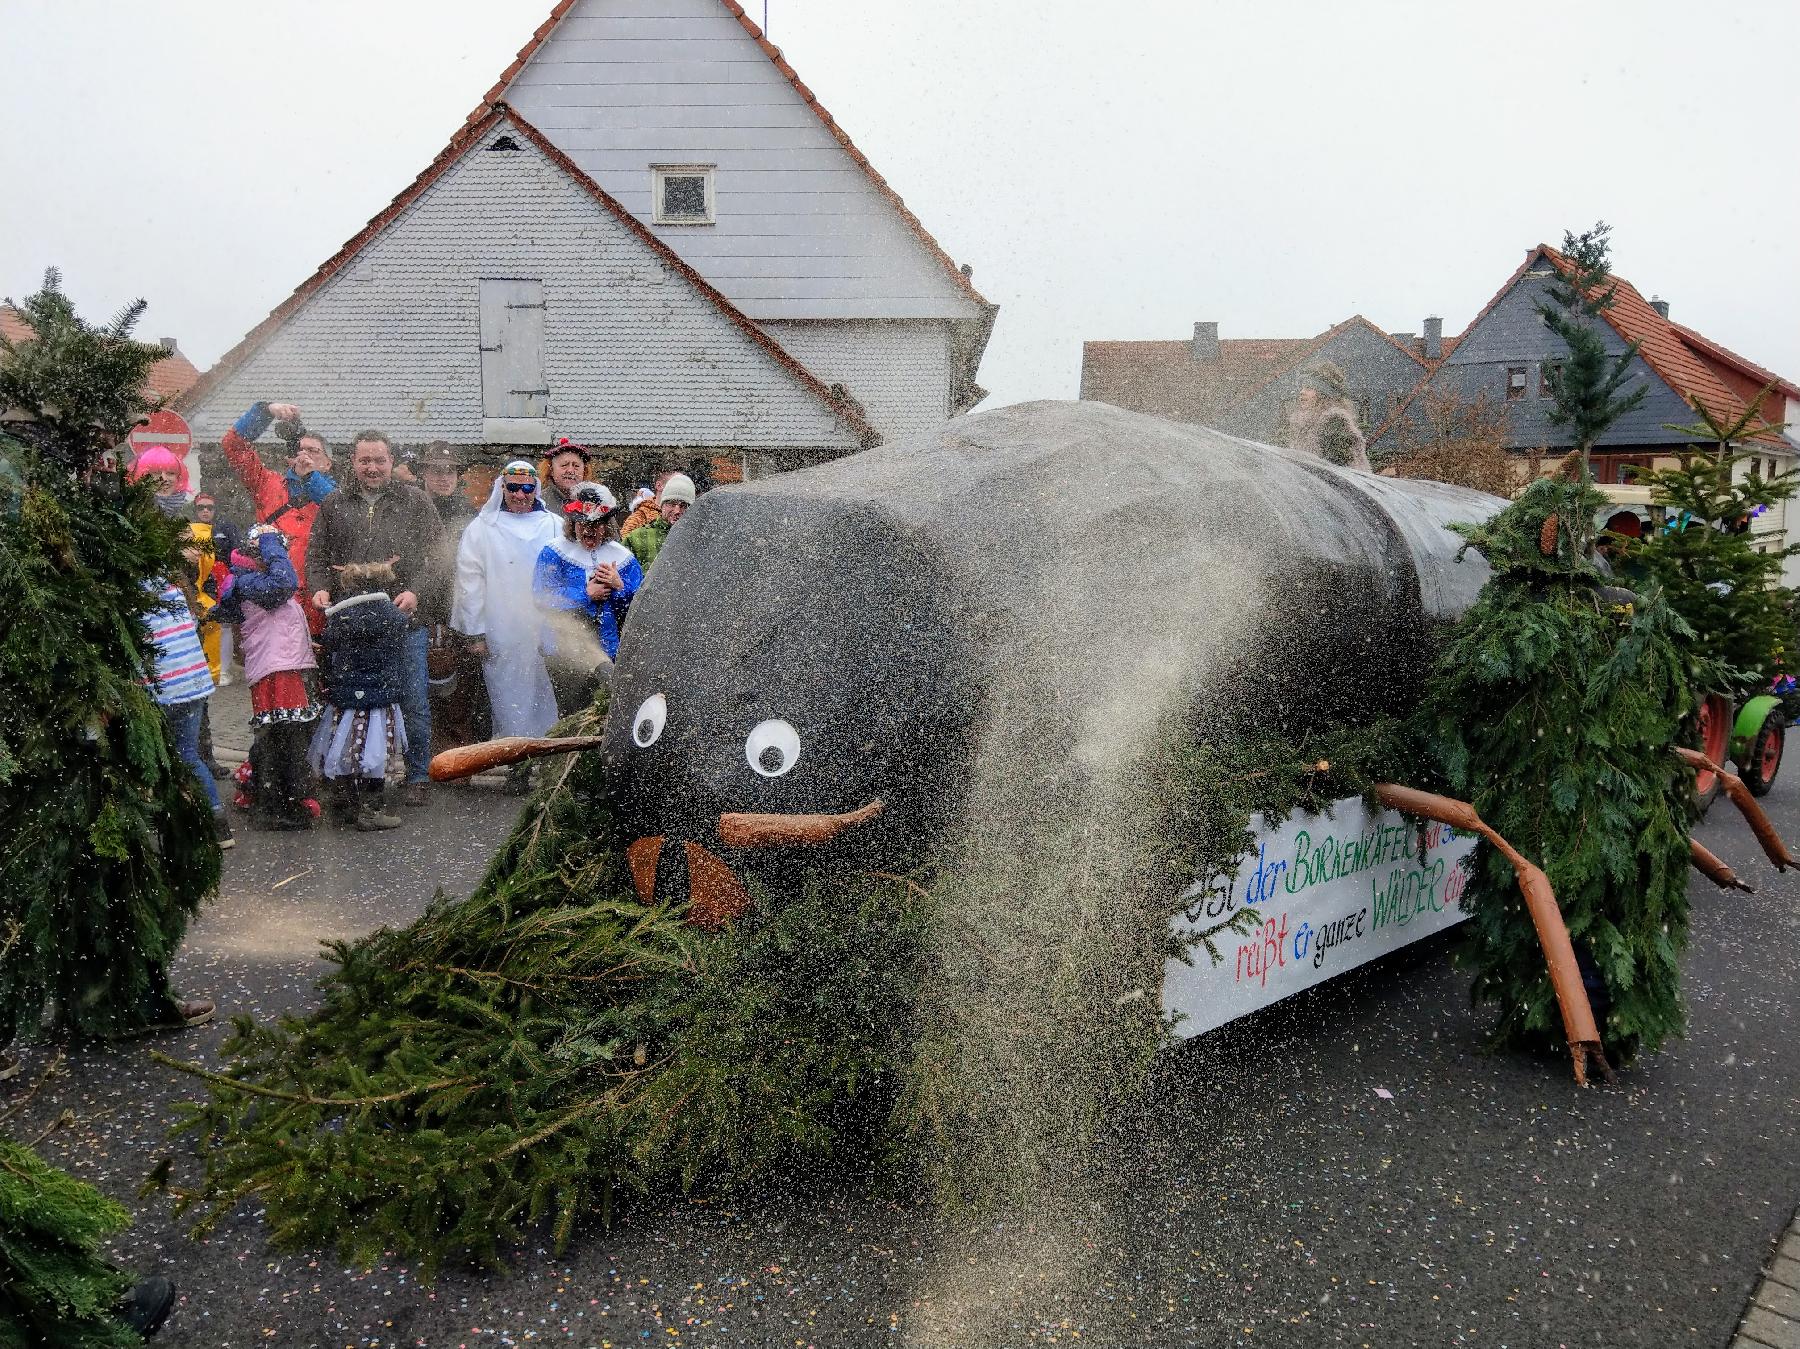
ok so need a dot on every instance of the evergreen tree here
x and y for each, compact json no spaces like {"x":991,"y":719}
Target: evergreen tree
{"x":78,"y":383}
{"x":1706,"y":558}
{"x":106,"y":844}
{"x":1554,"y":709}
{"x":56,"y":1291}
{"x":1588,"y":388}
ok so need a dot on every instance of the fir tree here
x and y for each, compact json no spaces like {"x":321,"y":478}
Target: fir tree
{"x":1706,"y":558}
{"x":1554,"y":709}
{"x":106,"y":845}
{"x":1588,"y":388}
{"x":56,"y":1291}
{"x":550,"y":1046}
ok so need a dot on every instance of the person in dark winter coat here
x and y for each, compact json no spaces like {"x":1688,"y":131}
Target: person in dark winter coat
{"x":459,"y":712}
{"x":278,"y":662}
{"x":362,"y":732}
{"x":378,"y":519}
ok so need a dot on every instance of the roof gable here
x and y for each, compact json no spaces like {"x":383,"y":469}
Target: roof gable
{"x":806,"y":227}
{"x":470,"y":139}
{"x":1688,"y":364}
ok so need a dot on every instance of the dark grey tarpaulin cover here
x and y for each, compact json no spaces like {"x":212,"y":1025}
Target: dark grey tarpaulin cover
{"x":1009,"y":606}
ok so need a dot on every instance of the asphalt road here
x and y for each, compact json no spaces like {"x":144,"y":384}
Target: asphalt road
{"x":1271,"y":1196}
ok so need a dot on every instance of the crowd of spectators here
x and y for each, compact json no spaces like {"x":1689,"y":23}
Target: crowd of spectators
{"x":379,"y":615}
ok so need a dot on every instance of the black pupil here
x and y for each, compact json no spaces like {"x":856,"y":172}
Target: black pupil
{"x":771,"y":757}
{"x":646,"y":729}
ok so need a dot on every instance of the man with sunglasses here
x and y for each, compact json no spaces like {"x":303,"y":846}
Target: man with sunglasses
{"x":290,"y":500}
{"x":493,"y":608}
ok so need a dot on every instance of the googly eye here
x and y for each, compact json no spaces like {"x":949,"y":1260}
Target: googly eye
{"x":652,"y":715}
{"x":772,"y":748}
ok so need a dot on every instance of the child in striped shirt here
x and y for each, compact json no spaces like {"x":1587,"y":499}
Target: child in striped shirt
{"x":181,"y":683}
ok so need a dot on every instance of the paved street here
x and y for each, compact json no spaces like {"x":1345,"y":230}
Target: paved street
{"x":1278,"y":1198}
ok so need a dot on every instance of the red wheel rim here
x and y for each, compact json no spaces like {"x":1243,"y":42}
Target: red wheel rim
{"x":1768,"y":753}
{"x":1712,"y":727}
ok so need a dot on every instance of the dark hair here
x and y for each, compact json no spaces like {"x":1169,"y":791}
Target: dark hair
{"x":372,"y":436}
{"x":609,"y":525}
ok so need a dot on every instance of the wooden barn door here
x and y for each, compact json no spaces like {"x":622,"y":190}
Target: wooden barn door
{"x":512,"y":349}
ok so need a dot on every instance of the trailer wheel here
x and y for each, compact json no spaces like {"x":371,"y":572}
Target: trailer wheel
{"x":1765,"y":755}
{"x":1712,"y":728}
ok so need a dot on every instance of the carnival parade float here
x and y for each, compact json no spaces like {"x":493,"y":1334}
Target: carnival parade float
{"x":941,"y":788}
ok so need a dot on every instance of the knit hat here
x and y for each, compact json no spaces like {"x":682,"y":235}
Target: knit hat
{"x":566,"y":446}
{"x":519,"y":470}
{"x":679,"y":487}
{"x":592,"y":501}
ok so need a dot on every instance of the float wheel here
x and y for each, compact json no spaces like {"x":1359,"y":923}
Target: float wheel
{"x":1712,"y":728}
{"x":1765,"y":755}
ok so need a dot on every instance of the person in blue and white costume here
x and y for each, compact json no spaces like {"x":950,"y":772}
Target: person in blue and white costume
{"x":584,"y":583}
{"x":492,"y":608}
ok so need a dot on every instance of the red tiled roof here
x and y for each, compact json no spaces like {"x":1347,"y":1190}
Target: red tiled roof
{"x":1664,"y":348}
{"x":465,"y":136}
{"x":497,"y":94}
{"x":1164,"y":380}
{"x":168,"y":379}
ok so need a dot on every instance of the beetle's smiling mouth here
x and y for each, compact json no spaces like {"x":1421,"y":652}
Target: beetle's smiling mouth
{"x":715,"y":894}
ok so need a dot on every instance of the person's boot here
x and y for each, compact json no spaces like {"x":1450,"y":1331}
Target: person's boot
{"x":341,"y":806}
{"x":222,"y":829}
{"x":148,"y":1305}
{"x":373,"y":815}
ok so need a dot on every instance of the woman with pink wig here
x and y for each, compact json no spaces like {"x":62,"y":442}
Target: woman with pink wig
{"x":169,"y":475}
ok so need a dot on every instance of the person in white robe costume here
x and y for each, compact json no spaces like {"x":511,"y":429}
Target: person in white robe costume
{"x":493,"y":607}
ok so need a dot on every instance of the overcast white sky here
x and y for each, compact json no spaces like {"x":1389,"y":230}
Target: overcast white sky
{"x":1110,"y":170}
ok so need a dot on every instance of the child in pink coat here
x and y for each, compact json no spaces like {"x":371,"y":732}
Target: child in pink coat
{"x":280,"y":668}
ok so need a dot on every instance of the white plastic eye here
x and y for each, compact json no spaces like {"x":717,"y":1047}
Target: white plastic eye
{"x":652,"y":716}
{"x":772,"y":747}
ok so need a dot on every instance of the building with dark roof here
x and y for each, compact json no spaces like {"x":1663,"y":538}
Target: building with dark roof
{"x":1245,"y":385}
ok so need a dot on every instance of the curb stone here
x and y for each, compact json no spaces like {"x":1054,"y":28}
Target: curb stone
{"x":1772,"y":1319}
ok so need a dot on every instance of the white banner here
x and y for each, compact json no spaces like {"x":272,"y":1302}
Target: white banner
{"x":1326,"y":893}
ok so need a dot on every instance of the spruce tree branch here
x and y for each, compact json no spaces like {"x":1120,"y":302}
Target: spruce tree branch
{"x":304,"y":1098}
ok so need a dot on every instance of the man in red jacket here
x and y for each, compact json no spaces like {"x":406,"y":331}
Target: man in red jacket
{"x":290,"y":501}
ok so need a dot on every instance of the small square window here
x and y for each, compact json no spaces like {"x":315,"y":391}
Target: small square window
{"x":1515,"y":382}
{"x":683,"y":194}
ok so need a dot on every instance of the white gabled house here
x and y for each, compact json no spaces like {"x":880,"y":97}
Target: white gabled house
{"x":648,"y":237}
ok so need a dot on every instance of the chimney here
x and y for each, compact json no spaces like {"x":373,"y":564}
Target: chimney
{"x":1434,"y":338}
{"x":1660,"y":305}
{"x":167,"y":344}
{"x":1206,"y":342}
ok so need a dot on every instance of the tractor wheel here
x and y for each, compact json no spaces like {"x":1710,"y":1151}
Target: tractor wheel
{"x":1765,"y":755}
{"x":1712,"y":728}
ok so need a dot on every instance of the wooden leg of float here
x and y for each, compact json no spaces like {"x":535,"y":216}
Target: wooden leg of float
{"x":467,"y":760}
{"x":1715,"y":869}
{"x":1748,"y":807}
{"x":1540,"y":901}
